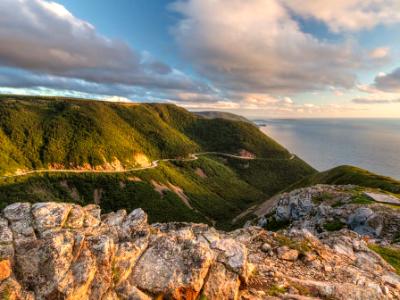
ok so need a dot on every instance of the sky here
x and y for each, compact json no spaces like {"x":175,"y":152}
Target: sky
{"x":258,"y":58}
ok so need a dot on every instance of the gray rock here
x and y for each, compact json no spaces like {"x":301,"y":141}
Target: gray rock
{"x":18,"y":211}
{"x":361,"y":221}
{"x":50,"y":215}
{"x":173,"y":266}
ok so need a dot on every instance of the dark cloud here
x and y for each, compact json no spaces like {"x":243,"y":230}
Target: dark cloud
{"x":22,"y":79}
{"x":375,"y":101}
{"x":388,"y":82}
{"x":45,"y":38}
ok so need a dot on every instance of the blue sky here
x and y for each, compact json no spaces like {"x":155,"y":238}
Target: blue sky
{"x":260,"y":58}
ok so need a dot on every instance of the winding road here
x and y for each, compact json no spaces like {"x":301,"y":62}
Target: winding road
{"x":153,"y":164}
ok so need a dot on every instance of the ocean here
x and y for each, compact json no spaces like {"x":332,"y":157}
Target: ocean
{"x":372,"y":144}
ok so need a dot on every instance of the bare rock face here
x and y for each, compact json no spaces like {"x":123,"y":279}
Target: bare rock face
{"x":322,"y":208}
{"x":173,"y":266}
{"x":65,"y":251}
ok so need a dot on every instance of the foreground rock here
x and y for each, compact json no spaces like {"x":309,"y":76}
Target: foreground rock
{"x":64,"y":251}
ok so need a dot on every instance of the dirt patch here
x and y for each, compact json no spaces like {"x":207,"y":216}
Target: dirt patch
{"x":141,"y":159}
{"x":159,"y":187}
{"x":177,"y":190}
{"x":200,"y":172}
{"x":246,"y":153}
{"x":114,"y":165}
{"x":73,"y":192}
{"x":55,"y":166}
{"x":97,"y":193}
{"x":134,"y":179}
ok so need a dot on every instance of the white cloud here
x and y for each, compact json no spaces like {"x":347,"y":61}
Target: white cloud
{"x":348,"y":15}
{"x":256,"y":46}
{"x":117,"y":99}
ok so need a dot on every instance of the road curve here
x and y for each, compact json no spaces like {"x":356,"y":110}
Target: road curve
{"x":154,"y":164}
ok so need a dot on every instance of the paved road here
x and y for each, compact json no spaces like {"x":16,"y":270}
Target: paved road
{"x":153,"y":164}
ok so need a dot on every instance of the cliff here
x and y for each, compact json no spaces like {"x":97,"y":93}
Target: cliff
{"x":65,"y":251}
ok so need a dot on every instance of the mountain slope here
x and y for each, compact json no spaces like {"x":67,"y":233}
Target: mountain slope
{"x":222,"y":115}
{"x":67,"y":133}
{"x":351,"y":175}
{"x":58,"y":133}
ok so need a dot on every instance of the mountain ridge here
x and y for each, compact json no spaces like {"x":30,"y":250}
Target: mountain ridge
{"x":38,"y":132}
{"x":108,"y":149}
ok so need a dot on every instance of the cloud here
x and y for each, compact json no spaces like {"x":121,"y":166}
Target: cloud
{"x":388,"y":82}
{"x":380,"y":52}
{"x":43,"y":37}
{"x":375,"y":101}
{"x":365,"y":88}
{"x":348,"y":15}
{"x":257,"y":46}
{"x":16,"y":78}
{"x":256,"y":104}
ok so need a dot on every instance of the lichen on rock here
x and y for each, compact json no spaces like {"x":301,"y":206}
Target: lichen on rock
{"x":65,"y":251}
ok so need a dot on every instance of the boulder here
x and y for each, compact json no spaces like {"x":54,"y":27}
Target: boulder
{"x":365,"y":222}
{"x":233,"y":255}
{"x":50,"y":215}
{"x":174,"y":267}
{"x":6,"y":235}
{"x":18,"y":211}
{"x":126,"y":291}
{"x":92,"y":215}
{"x":221,"y":283}
{"x":102,"y":248}
{"x":76,"y":217}
{"x":114,"y":218}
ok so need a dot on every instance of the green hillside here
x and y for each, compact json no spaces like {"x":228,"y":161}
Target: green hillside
{"x":221,"y":115}
{"x":42,"y":132}
{"x":60,"y":133}
{"x":351,"y":175}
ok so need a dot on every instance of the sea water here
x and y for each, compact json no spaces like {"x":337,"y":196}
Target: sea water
{"x":372,"y":144}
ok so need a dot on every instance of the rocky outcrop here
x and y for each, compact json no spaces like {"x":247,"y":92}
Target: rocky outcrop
{"x":65,"y":251}
{"x":324,"y":208}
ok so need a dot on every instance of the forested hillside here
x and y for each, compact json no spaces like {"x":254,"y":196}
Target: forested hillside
{"x":39,"y":133}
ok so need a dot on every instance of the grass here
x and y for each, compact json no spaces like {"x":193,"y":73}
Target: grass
{"x":361,"y":199}
{"x":337,"y":204}
{"x":334,"y":225}
{"x":351,"y":175}
{"x":276,"y":290}
{"x":396,"y":238}
{"x":270,"y":176}
{"x":389,"y":254}
{"x":303,"y":290}
{"x":300,"y":245}
{"x":275,"y":225}
{"x":324,"y":196}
